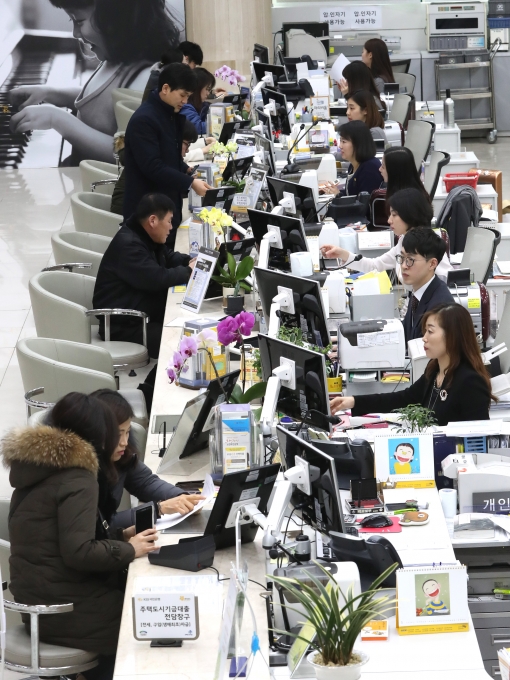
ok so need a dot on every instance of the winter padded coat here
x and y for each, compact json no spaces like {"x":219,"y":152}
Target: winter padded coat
{"x":55,"y":558}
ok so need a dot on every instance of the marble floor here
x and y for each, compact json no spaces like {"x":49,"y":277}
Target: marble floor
{"x":36,"y":203}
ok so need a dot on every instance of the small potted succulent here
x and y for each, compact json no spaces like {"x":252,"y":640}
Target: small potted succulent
{"x":338,"y":620}
{"x":233,"y":281}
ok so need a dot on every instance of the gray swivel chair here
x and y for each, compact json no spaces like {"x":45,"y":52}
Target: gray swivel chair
{"x":98,"y":176}
{"x":400,"y":108}
{"x":120,"y":94}
{"x":91,"y":214}
{"x":479,"y":251}
{"x":76,"y":246}
{"x":418,"y":139}
{"x":438,"y":160}
{"x":405,"y":80}
{"x":123,"y":112}
{"x":60,"y":367}
{"x":400,"y":65}
{"x":62,"y":308}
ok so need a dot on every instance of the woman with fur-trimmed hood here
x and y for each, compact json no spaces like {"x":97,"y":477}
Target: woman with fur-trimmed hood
{"x":55,"y":556}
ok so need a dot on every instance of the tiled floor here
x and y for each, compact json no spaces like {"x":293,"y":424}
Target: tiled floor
{"x":33,"y":205}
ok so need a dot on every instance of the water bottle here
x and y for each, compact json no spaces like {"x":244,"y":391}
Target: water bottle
{"x":449,"y":111}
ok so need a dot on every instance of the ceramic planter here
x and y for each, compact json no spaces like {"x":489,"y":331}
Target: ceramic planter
{"x":235,"y":305}
{"x":338,"y":672}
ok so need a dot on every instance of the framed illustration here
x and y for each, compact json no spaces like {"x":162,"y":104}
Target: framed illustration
{"x":406,"y":459}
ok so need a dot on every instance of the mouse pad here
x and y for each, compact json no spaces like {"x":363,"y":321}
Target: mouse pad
{"x":395,"y":529}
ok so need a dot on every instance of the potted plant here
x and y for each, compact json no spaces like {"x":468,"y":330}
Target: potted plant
{"x":218,"y":221}
{"x":415,"y":418}
{"x":338,"y":620}
{"x":233,"y":282}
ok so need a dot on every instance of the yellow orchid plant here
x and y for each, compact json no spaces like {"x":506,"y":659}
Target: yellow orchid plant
{"x":217,"y":219}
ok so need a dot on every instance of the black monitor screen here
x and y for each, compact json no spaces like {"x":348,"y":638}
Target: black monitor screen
{"x":309,"y":313}
{"x":261,"y":69}
{"x":229,"y":129}
{"x":237,"y":168}
{"x":265,"y":120}
{"x":311,"y":383}
{"x":305,"y":201}
{"x":291,"y":231}
{"x":240,"y":250}
{"x":281,"y":118}
{"x":260,"y":53}
{"x":323,"y":508}
{"x":219,"y":198}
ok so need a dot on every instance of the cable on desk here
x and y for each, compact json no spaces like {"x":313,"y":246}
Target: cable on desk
{"x":217,"y":572}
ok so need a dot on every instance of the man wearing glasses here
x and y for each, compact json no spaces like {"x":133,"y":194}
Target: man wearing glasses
{"x":422,"y":250}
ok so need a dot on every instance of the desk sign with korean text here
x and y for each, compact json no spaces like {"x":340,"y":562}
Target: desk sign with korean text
{"x":166,"y":616}
{"x":492,"y":502}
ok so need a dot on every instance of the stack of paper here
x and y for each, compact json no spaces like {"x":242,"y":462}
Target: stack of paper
{"x":504,"y":662}
{"x":168,"y":521}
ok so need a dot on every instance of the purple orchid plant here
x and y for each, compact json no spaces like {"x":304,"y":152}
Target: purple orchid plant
{"x":231,"y":76}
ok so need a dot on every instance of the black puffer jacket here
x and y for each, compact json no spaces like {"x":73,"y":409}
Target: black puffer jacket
{"x":55,"y":557}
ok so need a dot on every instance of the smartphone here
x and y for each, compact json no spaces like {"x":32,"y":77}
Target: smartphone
{"x":144,"y":517}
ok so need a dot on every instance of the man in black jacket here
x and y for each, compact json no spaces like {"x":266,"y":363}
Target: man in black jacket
{"x":153,"y":146}
{"x":422,"y":250}
{"x":137,"y":270}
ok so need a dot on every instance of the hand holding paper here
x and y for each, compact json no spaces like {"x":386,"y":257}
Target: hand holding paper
{"x":337,"y":69}
{"x":171,"y":520}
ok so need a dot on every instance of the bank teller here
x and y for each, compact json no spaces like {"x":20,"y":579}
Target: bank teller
{"x":456,"y":384}
{"x":358,"y":148}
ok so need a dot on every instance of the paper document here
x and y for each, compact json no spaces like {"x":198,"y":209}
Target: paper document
{"x":338,"y":67}
{"x":168,"y":521}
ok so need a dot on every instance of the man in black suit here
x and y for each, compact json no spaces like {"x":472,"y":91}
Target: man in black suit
{"x":422,"y":250}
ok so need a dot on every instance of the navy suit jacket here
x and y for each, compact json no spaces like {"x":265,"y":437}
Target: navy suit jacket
{"x":436,"y":293}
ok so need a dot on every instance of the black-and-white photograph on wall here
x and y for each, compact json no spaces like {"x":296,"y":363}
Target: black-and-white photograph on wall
{"x":62,"y":64}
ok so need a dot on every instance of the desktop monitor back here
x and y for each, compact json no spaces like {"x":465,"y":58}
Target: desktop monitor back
{"x":219,"y":198}
{"x":292,"y":233}
{"x":265,"y":144}
{"x":192,"y":431}
{"x":229,"y":129}
{"x":282,"y":114}
{"x":323,"y":508}
{"x":311,"y":390}
{"x":260,"y":69}
{"x":309,"y":314}
{"x":305,"y":205}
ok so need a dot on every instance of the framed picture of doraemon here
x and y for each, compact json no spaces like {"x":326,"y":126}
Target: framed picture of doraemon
{"x":405,"y":459}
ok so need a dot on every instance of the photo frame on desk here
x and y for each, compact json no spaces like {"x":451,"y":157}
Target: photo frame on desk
{"x":405,"y":459}
{"x":320,"y":107}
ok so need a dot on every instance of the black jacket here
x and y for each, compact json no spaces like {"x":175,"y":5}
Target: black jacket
{"x":153,"y":155}
{"x":136,"y":273}
{"x":468,"y":398}
{"x":436,"y":293}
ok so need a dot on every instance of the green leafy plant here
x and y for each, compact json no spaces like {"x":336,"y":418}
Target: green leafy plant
{"x":256,"y":391}
{"x":337,"y":619}
{"x":415,"y":418}
{"x":235,"y":274}
{"x":294,"y":335}
{"x":239,"y":185}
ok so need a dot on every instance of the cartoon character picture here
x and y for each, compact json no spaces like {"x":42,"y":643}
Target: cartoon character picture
{"x":432,"y":595}
{"x":404,"y":456}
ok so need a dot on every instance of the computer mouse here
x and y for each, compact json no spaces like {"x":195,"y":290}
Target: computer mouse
{"x":376,"y":522}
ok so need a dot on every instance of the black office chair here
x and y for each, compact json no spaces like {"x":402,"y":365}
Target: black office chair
{"x":438,"y":160}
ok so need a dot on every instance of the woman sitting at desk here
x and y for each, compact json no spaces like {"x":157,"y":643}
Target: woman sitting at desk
{"x":357,"y":76}
{"x":456,"y":385}
{"x":358,"y":148}
{"x":376,"y":56}
{"x":361,"y":106}
{"x":134,"y":476}
{"x":409,"y":208}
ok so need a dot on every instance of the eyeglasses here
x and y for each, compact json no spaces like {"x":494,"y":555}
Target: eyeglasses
{"x":186,"y":145}
{"x":408,"y":261}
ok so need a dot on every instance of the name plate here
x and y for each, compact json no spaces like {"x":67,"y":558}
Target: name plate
{"x":491,"y":502}
{"x":172,"y":616}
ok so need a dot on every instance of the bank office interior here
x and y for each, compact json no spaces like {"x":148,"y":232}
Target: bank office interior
{"x":36,"y":203}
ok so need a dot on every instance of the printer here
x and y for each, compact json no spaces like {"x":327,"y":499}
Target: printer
{"x":376,"y":343}
{"x":477,"y":473}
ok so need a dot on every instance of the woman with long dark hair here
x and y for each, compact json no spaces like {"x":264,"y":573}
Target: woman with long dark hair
{"x":56,"y":556}
{"x":357,"y":76}
{"x":398,"y":169}
{"x":127,"y":37}
{"x":133,"y":475}
{"x":409,"y":208}
{"x":361,"y":106}
{"x":197,"y":108}
{"x":456,"y":385}
{"x":376,"y":56}
{"x":358,"y":148}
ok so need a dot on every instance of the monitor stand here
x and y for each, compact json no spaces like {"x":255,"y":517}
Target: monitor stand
{"x":190,"y":466}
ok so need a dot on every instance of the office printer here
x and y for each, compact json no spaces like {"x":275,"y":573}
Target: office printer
{"x":376,"y":343}
{"x":352,"y":44}
{"x":477,"y":473}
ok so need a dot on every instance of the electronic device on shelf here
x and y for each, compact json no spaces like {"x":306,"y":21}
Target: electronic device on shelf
{"x":303,"y":195}
{"x":284,"y":235}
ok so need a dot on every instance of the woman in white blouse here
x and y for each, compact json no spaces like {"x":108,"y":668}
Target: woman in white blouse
{"x":409,"y":208}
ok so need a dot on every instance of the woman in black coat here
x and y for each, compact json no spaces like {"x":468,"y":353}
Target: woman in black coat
{"x":456,"y":384}
{"x":134,"y":476}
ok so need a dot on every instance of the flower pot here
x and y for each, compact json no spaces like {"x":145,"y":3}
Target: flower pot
{"x":235,"y":304}
{"x":350,"y":672}
{"x":335,"y":385}
{"x":231,"y":291}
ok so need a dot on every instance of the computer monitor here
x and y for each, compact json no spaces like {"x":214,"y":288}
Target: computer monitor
{"x":267,"y":126}
{"x":260,"y":53}
{"x":305,"y":201}
{"x":219,"y":198}
{"x":260,"y":69}
{"x":310,"y":396}
{"x":192,"y":431}
{"x":252,"y":486}
{"x":229,"y":129}
{"x":265,"y":145}
{"x":236,"y":99}
{"x":306,"y":300}
{"x":237,"y":168}
{"x":240,"y":250}
{"x":292,"y":236}
{"x":323,"y":505}
{"x":316,"y":28}
{"x":281,"y":118}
